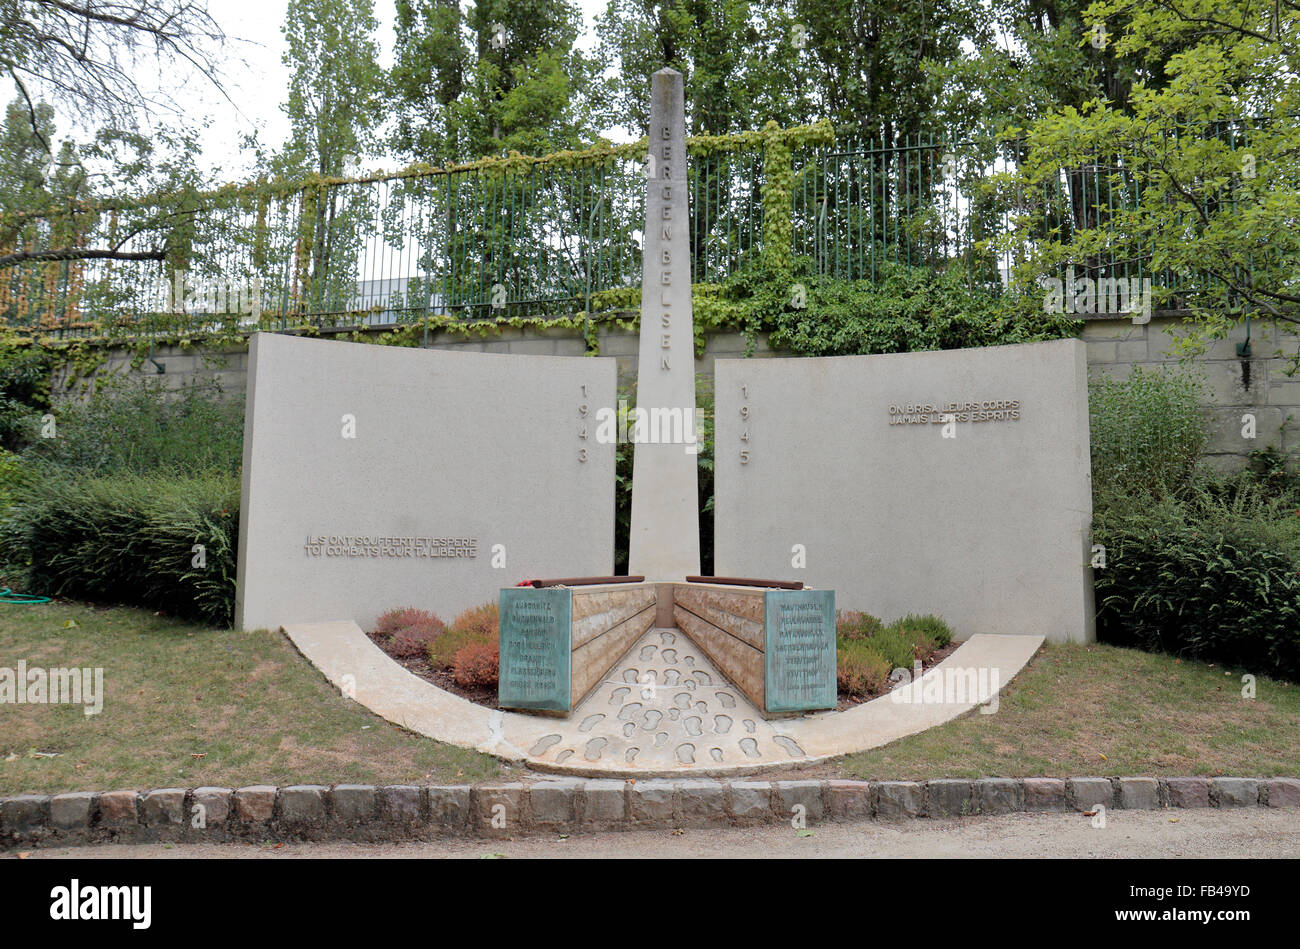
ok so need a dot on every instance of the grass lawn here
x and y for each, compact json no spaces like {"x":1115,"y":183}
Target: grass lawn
{"x":187,"y":706}
{"x":1098,"y":710}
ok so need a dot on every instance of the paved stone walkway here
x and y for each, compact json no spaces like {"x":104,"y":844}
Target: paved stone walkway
{"x":665,"y":706}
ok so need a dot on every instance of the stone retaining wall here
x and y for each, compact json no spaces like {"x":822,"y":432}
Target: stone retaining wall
{"x":367,"y":813}
{"x":1257,"y":385}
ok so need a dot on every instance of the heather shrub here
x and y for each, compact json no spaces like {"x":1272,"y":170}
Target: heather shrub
{"x":475,"y":665}
{"x":932,"y":626}
{"x":475,"y":626}
{"x":394,"y":621}
{"x":926,"y":634}
{"x":860,"y":669}
{"x":416,"y":639}
{"x":482,"y":620}
{"x":894,"y":645}
{"x":852,"y":624}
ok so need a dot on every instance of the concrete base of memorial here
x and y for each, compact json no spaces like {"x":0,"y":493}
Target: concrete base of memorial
{"x":595,"y":739}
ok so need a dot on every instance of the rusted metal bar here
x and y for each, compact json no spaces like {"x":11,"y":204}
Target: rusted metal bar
{"x":583,"y":581}
{"x":748,"y":582}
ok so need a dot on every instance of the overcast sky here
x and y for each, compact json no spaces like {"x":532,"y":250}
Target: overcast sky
{"x":259,"y":89}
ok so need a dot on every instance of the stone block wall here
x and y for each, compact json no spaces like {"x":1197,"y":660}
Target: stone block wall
{"x":1237,"y":386}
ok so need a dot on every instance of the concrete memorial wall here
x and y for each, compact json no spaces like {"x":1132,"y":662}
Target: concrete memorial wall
{"x":954,"y":483}
{"x":379,"y":477}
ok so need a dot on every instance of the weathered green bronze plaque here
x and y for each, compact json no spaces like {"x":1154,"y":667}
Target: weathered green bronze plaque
{"x":536,"y":642}
{"x":800,"y":653}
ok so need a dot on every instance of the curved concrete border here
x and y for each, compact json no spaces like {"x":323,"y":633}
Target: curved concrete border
{"x":365,"y":673}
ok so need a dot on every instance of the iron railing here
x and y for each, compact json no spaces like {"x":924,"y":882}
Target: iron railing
{"x":542,"y":237}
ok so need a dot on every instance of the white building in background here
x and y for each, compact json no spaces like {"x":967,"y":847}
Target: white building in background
{"x":392,"y":300}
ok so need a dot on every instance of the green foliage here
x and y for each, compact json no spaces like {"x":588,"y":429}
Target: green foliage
{"x":1212,"y":577}
{"x":1195,"y":565}
{"x":477,"y":626}
{"x":1273,"y":474}
{"x":896,"y":645}
{"x":1215,"y":203}
{"x":460,"y":90}
{"x":24,"y":392}
{"x":860,"y":668}
{"x":912,"y":309}
{"x":853,"y":625}
{"x":12,"y":477}
{"x":1147,"y":432}
{"x":867,"y":650}
{"x":928,"y":631}
{"x":334,"y":83}
{"x":1039,"y":59}
{"x":129,"y":539}
{"x":868,"y":65}
{"x":144,"y":428}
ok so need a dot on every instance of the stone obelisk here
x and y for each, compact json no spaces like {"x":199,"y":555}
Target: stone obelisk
{"x":665,"y":537}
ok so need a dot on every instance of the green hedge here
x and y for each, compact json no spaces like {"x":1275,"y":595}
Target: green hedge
{"x":1202,"y":579}
{"x":129,"y":539}
{"x":143,"y":428}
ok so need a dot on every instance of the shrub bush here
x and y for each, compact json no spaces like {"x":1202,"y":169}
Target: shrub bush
{"x":129,"y":539}
{"x":142,"y":428}
{"x":927,"y":633}
{"x":11,"y":479}
{"x":909,"y":310}
{"x":394,"y":621}
{"x":1211,"y":578}
{"x":860,"y":669}
{"x":896,"y":647}
{"x":478,"y":625}
{"x":415,"y":639}
{"x":483,"y":620}
{"x":24,"y":393}
{"x":1147,"y":433}
{"x":852,"y":624}
{"x":475,"y":665}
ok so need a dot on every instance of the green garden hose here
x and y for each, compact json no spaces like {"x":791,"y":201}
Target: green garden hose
{"x":9,"y":596}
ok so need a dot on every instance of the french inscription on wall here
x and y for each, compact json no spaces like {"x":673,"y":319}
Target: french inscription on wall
{"x":374,"y":546}
{"x":800,"y":650}
{"x":536,"y":639}
{"x":939,"y":413}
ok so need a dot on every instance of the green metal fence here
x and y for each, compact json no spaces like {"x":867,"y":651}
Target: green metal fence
{"x":536,"y":237}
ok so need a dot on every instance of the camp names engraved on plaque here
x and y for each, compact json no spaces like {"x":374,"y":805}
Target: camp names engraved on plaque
{"x":536,"y":639}
{"x":800,"y":650}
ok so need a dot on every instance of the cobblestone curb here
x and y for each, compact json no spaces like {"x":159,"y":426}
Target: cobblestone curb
{"x":363,"y":812}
